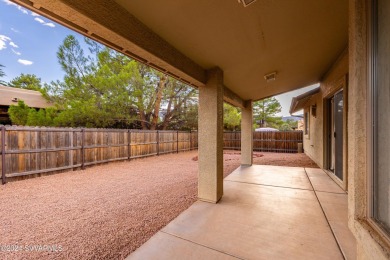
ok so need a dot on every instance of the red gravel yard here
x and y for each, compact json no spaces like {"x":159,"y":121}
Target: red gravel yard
{"x":106,"y":211}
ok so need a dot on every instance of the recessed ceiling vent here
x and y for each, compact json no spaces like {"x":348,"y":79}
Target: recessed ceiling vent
{"x":245,"y":3}
{"x":270,"y":77}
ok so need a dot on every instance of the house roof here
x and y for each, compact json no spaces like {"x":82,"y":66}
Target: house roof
{"x":11,"y":96}
{"x":295,"y":39}
{"x":266,"y":129}
{"x":299,"y":102}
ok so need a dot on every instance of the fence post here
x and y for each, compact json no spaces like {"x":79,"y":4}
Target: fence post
{"x":129,"y":144}
{"x":71,"y":146}
{"x":3,"y":179}
{"x":177,"y":139}
{"x":235,"y":141}
{"x":190,"y":140}
{"x":158,"y":142}
{"x":82,"y":148}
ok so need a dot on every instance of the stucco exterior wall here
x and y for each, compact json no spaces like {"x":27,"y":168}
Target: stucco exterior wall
{"x":371,"y":242}
{"x":313,"y":142}
{"x":331,"y":81}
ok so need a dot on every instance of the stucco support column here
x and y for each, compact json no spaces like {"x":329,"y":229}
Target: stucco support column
{"x":210,"y":177}
{"x":247,"y":134}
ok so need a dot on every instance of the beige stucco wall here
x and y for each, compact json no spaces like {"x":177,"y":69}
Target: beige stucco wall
{"x":334,"y":80}
{"x":371,"y":243}
{"x":313,"y":142}
{"x":331,"y":82}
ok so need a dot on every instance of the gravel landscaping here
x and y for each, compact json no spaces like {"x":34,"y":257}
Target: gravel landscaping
{"x":106,"y":211}
{"x":284,"y":159}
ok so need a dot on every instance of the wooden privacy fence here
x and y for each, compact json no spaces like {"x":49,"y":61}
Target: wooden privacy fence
{"x":268,"y":141}
{"x":36,"y":150}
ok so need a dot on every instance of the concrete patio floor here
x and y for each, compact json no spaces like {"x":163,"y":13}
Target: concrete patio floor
{"x":267,"y":212}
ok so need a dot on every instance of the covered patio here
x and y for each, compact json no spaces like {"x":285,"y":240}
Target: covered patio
{"x":267,"y":212}
{"x":243,"y":51}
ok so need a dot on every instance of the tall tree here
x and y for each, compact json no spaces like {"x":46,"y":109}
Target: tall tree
{"x":289,"y":125}
{"x":231,"y":117}
{"x":180,"y":101}
{"x":104,"y":88}
{"x":27,"y":81}
{"x":19,"y":113}
{"x":22,"y":114}
{"x":265,"y":111}
{"x":2,"y":75}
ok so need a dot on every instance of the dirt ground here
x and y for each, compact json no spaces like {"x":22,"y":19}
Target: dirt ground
{"x":284,"y":159}
{"x":106,"y":211}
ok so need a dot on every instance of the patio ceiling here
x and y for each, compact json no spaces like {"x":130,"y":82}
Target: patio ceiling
{"x":298,"y":39}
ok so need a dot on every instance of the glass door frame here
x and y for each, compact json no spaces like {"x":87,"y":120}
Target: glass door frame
{"x":331,"y":136}
{"x":341,"y":84}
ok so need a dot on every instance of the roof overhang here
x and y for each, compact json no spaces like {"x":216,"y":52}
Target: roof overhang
{"x":300,"y":102}
{"x":295,"y":39}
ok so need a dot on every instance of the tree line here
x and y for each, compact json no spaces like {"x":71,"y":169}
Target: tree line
{"x":105,"y":89}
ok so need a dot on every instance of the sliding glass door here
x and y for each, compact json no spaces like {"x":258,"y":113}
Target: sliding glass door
{"x":335,"y":134}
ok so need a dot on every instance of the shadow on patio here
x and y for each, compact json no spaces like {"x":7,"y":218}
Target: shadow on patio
{"x":266,"y":212}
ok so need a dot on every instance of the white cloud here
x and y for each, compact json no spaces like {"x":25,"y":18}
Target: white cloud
{"x":25,"y":62}
{"x":2,"y":45}
{"x":5,"y":38}
{"x":14,"y":30}
{"x":34,"y":14}
{"x":50,"y":25}
{"x":22,"y":9}
{"x":13,"y":45}
{"x":3,"y":41}
{"x":39,"y":20}
{"x":7,"y":2}
{"x":16,"y":52}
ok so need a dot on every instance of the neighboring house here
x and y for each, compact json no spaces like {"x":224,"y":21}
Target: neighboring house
{"x":10,"y":96}
{"x":266,"y":129}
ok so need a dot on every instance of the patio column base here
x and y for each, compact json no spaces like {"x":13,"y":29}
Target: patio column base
{"x":210,"y":177}
{"x":210,"y":201}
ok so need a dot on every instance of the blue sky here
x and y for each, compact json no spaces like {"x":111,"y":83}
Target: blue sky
{"x":29,"y":43}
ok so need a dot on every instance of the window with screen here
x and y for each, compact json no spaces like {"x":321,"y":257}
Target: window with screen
{"x":307,"y":122}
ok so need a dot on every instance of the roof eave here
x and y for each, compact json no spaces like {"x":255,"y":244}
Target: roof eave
{"x":296,"y":100}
